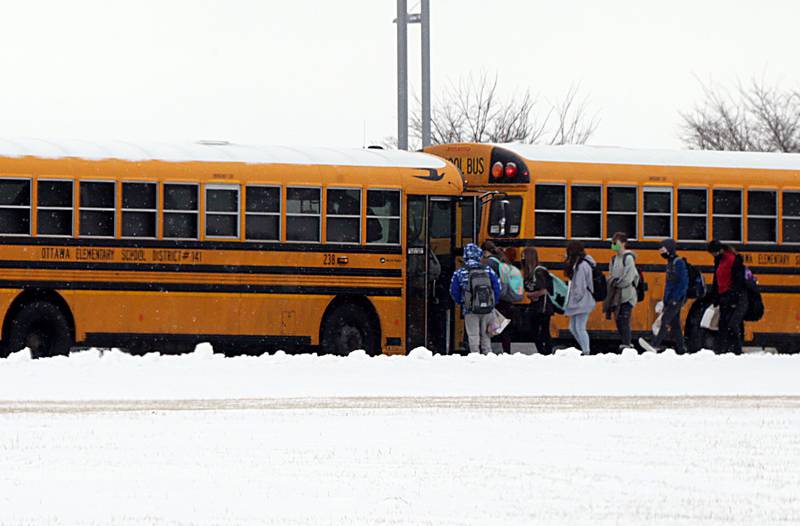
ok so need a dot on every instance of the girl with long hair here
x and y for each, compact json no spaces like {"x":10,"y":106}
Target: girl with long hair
{"x":494,"y":255}
{"x":580,"y":302}
{"x":537,"y":287}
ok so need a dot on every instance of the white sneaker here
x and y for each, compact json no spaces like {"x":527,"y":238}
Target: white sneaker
{"x":646,"y":345}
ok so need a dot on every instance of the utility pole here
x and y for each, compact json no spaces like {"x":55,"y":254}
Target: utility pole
{"x":403,"y":19}
{"x":402,"y":74}
{"x":426,"y":72}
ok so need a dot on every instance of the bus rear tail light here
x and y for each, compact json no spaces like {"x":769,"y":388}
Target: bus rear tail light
{"x":511,"y":170}
{"x":497,"y":170}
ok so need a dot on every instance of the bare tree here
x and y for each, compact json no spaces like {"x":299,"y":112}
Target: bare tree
{"x":472,"y":110}
{"x":753,"y":117}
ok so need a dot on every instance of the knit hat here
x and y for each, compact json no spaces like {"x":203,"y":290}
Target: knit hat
{"x":670,"y":245}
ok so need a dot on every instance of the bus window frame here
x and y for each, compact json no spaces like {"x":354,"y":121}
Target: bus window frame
{"x":776,"y":217}
{"x":783,"y":217}
{"x":115,"y":211}
{"x":279,"y":213}
{"x":360,"y":217}
{"x":572,"y":211}
{"x":741,"y":214}
{"x":164,"y":211}
{"x":56,"y":208}
{"x":399,"y":217}
{"x":536,"y":209}
{"x":678,"y":213}
{"x":18,"y":207}
{"x":122,"y":209}
{"x":645,"y":214}
{"x":292,"y":214}
{"x":634,"y":213}
{"x":237,"y":213}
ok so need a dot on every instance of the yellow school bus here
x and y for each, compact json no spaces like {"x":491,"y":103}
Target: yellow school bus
{"x":547,"y":195}
{"x":160,"y":246}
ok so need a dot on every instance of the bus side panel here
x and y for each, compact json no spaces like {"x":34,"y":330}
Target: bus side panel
{"x":391,"y":312}
{"x":215,"y":314}
{"x":122,"y":312}
{"x":6,"y":298}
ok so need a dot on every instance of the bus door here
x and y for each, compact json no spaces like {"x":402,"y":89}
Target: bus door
{"x":467,"y":226}
{"x":442,"y":236}
{"x":430,"y":262}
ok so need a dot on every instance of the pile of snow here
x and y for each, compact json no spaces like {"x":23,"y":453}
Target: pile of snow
{"x":114,"y":375}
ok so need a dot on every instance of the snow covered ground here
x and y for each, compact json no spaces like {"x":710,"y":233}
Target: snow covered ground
{"x":200,"y":439}
{"x":113,"y":375}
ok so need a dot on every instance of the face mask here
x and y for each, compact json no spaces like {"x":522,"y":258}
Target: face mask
{"x":664,"y":255}
{"x":616,"y":247}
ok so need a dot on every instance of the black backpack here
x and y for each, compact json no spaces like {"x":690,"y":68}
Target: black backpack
{"x":641,"y":285}
{"x":599,"y":285}
{"x":755,"y":304}
{"x":479,"y":296}
{"x":697,"y":284}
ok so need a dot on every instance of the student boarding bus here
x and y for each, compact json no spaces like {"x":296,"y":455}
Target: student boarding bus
{"x":547,"y":195}
{"x":163,"y":246}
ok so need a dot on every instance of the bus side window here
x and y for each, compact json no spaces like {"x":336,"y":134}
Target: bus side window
{"x":551,"y":210}
{"x":383,"y":217}
{"x":180,"y":211}
{"x":791,"y":216}
{"x":587,"y":212}
{"x":622,"y":206}
{"x":762,"y":216}
{"x":303,"y":217}
{"x":692,"y":214}
{"x":657,"y":212}
{"x":263,"y":213}
{"x":97,"y":208}
{"x":222,"y":211}
{"x":343,"y":215}
{"x":727,"y":215}
{"x":139,"y":210}
{"x":15,"y":207}
{"x":54,"y":207}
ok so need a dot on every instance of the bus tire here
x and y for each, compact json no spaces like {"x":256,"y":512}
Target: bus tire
{"x":43,"y":328}
{"x":347,"y":328}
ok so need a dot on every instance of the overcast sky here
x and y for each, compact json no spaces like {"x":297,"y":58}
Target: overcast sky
{"x":323,"y":72}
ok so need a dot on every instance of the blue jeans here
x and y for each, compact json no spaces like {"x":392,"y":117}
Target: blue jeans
{"x":577,"y":326}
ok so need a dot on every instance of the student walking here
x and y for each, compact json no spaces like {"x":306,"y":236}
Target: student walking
{"x":580,"y":301}
{"x":476,"y":288}
{"x":622,"y":280}
{"x":729,"y":292}
{"x":494,"y":257}
{"x":538,"y":286}
{"x":675,"y":290}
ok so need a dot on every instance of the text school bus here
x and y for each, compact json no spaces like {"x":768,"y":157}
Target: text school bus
{"x":548,"y":195}
{"x":163,"y":246}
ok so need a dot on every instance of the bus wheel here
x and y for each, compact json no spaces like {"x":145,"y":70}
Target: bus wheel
{"x":348,"y":328}
{"x":41,"y":327}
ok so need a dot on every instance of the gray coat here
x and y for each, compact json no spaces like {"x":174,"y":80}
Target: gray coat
{"x":622,"y":274}
{"x":580,"y":300}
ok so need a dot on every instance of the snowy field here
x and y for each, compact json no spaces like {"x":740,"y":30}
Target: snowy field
{"x":106,"y":438}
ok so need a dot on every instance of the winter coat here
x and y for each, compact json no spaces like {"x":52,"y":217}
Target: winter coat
{"x":677,"y":280}
{"x":460,"y":280}
{"x":541,"y":306}
{"x":738,"y":282}
{"x":622,"y":274}
{"x":580,"y":300}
